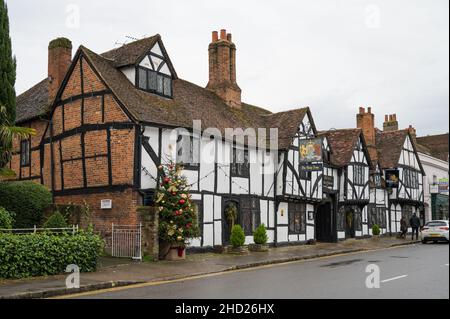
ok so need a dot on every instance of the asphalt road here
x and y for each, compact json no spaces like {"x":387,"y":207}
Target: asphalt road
{"x":417,"y":271}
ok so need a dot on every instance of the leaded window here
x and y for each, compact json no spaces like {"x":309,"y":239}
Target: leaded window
{"x":359,"y":175}
{"x":407,"y":213}
{"x":240,"y":166}
{"x":250,"y":214}
{"x":377,"y":216}
{"x":297,"y":218}
{"x":411,"y":178}
{"x":186,"y":151}
{"x":25,"y":153}
{"x":154,"y":75}
{"x":198,"y":210}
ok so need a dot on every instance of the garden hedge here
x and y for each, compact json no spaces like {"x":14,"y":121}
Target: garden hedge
{"x":46,"y":254}
{"x":26,"y":201}
{"x":6,"y":219}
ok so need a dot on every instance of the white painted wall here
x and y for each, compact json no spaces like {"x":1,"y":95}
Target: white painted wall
{"x":434,"y":169}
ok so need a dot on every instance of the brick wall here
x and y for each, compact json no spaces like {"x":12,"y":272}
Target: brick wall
{"x":123,"y":212}
{"x":33,"y":170}
{"x":81,"y":159}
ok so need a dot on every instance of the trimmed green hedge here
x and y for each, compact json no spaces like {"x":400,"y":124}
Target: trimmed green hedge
{"x":6,"y":220}
{"x":56,"y":220}
{"x":44,"y":254}
{"x":26,"y":201}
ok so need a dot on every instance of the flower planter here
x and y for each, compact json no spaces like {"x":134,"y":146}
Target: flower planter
{"x":376,"y":237}
{"x":236,"y":250}
{"x":176,"y":254}
{"x":258,"y":248}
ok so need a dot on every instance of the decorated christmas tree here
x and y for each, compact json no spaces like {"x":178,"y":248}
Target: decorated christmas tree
{"x":178,"y":218}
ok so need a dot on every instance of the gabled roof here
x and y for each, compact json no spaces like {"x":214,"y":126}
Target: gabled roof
{"x":389,"y":146}
{"x":342,"y":143}
{"x":435,"y":145}
{"x":33,"y":103}
{"x":130,"y":53}
{"x":190,"y":101}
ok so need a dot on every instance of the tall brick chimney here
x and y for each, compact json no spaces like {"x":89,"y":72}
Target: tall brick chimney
{"x":222,"y":69}
{"x":412,"y":132}
{"x":59,"y":60}
{"x":390,"y":123}
{"x":366,"y":122}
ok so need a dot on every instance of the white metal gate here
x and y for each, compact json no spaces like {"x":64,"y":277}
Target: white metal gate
{"x":127,"y":241}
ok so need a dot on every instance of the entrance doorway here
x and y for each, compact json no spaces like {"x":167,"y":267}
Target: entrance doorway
{"x":349,"y":223}
{"x":230,"y":217}
{"x":325,"y":216}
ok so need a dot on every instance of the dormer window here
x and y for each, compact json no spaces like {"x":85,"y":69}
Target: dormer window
{"x":153,"y":74}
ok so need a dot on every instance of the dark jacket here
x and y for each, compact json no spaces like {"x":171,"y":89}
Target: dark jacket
{"x":403,"y":225}
{"x":414,"y":222}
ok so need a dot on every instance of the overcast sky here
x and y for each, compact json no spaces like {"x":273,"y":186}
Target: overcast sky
{"x":331,"y":55}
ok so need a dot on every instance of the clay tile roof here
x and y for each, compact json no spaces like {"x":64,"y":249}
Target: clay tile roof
{"x":130,"y":53}
{"x":191,"y":102}
{"x":435,"y":145}
{"x":389,"y":146}
{"x":33,"y":103}
{"x":342,"y":143}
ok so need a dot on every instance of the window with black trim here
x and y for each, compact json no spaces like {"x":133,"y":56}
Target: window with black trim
{"x":25,"y":153}
{"x":297,"y":218}
{"x":240,"y":166}
{"x":198,"y":209}
{"x":411,"y":178}
{"x":359,"y":176}
{"x":153,"y":75}
{"x":377,"y":216}
{"x":304,"y":174}
{"x":250,"y":214}
{"x":186,"y":151}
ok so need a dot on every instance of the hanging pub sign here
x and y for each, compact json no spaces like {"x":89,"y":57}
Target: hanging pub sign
{"x":311,"y":150}
{"x":311,"y":155}
{"x":392,"y":178}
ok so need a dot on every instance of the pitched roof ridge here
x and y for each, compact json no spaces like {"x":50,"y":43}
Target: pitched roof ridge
{"x":287,"y":111}
{"x":128,"y":44}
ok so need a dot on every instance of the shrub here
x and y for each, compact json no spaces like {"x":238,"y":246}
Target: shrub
{"x":6,"y":219}
{"x":26,"y":201}
{"x":237,"y":237}
{"x":46,"y":254}
{"x":376,"y":230}
{"x":260,"y":235}
{"x":56,"y":220}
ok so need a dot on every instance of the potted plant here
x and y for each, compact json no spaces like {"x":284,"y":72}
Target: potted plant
{"x":177,"y":216}
{"x":260,"y":238}
{"x":237,"y":240}
{"x":376,"y":232}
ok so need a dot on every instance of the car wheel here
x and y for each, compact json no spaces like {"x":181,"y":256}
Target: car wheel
{"x":424,"y":241}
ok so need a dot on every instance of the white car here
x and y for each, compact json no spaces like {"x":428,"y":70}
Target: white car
{"x":435,"y":230}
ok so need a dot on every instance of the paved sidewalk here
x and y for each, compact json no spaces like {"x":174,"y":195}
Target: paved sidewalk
{"x":114,"y":272}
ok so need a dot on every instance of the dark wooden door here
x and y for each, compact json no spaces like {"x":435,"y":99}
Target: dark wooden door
{"x":324,"y":222}
{"x":350,"y":223}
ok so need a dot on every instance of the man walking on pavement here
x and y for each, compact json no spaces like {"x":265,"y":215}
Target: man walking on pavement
{"x":415,"y":224}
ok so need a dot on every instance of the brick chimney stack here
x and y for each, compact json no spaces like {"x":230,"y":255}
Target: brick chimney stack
{"x":390,"y":123}
{"x":59,"y":60}
{"x":412,"y":132}
{"x":222,"y":69}
{"x":366,"y":122}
